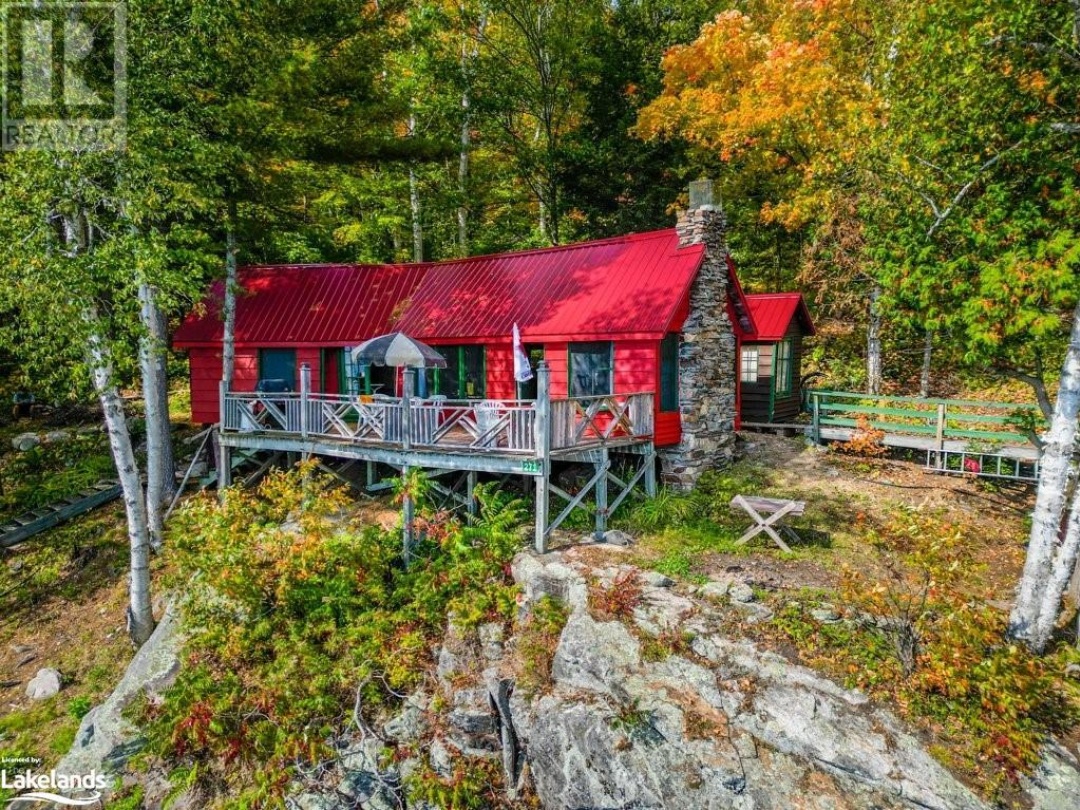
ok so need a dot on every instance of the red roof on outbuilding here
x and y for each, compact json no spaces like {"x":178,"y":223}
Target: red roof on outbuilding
{"x":772,"y":314}
{"x":625,"y":286}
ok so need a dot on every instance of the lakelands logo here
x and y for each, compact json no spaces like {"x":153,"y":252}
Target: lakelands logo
{"x":53,"y":787}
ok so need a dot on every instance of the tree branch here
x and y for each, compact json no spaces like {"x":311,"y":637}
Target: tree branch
{"x":958,"y":198}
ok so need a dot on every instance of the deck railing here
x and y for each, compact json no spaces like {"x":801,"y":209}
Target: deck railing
{"x":600,"y":419}
{"x":485,"y":426}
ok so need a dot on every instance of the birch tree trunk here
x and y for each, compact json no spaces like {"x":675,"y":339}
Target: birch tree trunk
{"x":417,"y":227}
{"x":414,"y":204}
{"x":1039,"y":595}
{"x":140,"y":618}
{"x":873,"y":344}
{"x":160,"y":481}
{"x":463,"y":177}
{"x":924,"y":376}
{"x":228,"y":342}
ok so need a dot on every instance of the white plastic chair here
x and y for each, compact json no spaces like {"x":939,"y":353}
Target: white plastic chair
{"x":487,"y":417}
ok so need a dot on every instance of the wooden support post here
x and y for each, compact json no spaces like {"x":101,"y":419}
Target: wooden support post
{"x":543,"y":452}
{"x":224,"y":459}
{"x":650,"y":471}
{"x":942,"y":413}
{"x":602,"y":465}
{"x":470,"y":491}
{"x":224,"y":466}
{"x":370,"y":474}
{"x":407,"y":508}
{"x":409,"y":386}
{"x":305,"y":392}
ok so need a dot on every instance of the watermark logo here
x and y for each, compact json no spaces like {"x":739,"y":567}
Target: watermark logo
{"x":58,"y":789}
{"x":64,"y":76}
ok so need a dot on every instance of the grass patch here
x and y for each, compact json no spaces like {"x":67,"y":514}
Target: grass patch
{"x":52,"y":471}
{"x":537,"y":639}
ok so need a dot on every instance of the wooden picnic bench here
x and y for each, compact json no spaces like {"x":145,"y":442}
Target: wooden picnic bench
{"x":777,"y":509}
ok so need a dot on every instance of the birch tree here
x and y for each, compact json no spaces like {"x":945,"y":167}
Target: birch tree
{"x":1055,"y":523}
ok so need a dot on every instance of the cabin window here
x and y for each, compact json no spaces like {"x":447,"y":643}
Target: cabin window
{"x":750,"y":360}
{"x":278,"y":364}
{"x":669,"y":373}
{"x":783,"y":367}
{"x":590,"y":369}
{"x":465,"y":376}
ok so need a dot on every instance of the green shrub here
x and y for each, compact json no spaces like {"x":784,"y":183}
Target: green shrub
{"x":537,"y":639}
{"x":292,"y":610}
{"x":939,"y":652}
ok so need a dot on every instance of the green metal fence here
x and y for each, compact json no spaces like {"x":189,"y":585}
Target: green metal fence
{"x":940,"y":419}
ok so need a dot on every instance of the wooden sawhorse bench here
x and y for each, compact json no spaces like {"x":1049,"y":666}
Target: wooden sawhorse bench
{"x":777,"y":509}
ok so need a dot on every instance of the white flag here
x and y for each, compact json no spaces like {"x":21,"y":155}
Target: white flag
{"x":522,"y":369}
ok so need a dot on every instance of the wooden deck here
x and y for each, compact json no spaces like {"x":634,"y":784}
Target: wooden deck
{"x":472,"y":436}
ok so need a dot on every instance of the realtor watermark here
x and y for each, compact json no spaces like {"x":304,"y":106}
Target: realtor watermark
{"x":64,"y":85}
{"x":34,"y":789}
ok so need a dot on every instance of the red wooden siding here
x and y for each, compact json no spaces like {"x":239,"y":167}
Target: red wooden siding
{"x":499,"y":362}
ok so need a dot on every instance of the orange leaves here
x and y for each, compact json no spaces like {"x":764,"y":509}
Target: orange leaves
{"x":780,"y":89}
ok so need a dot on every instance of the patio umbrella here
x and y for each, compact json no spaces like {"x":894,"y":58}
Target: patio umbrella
{"x":397,"y":349}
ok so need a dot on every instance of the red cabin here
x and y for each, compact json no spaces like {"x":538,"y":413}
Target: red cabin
{"x":659,"y":313}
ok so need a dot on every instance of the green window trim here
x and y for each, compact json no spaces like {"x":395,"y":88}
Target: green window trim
{"x":458,"y":364}
{"x":783,"y":360}
{"x":669,"y":373}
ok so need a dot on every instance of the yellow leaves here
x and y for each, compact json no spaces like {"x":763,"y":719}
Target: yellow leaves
{"x":778,"y":88}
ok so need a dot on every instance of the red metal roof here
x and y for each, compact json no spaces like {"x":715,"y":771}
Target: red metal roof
{"x":772,"y":314}
{"x":629,"y":285}
{"x":332,"y":304}
{"x":625,"y":286}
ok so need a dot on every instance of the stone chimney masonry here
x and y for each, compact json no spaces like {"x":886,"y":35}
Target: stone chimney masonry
{"x":707,"y":382}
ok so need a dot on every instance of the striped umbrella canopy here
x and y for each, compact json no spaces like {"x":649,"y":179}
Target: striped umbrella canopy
{"x":397,"y":349}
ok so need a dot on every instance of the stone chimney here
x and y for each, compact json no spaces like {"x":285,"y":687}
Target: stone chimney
{"x":707,"y":359}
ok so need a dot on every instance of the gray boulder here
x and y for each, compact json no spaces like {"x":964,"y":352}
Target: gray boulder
{"x":105,"y":739}
{"x":1055,"y":785}
{"x":44,"y":685}
{"x":25,"y":441}
{"x":736,"y":727}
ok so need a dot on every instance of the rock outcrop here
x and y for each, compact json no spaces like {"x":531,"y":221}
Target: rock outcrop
{"x":724,"y":725}
{"x":105,"y":739}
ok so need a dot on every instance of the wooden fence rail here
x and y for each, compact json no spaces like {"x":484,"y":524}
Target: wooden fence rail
{"x":941,"y":420}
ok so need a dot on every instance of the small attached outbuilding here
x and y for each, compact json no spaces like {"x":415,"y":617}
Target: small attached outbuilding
{"x":770,"y":360}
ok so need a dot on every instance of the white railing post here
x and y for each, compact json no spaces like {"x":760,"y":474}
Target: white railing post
{"x":223,"y":394}
{"x":409,"y":385}
{"x":305,"y":391}
{"x":543,"y":452}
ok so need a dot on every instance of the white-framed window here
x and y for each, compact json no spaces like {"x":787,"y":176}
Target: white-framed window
{"x":782,"y":361}
{"x":750,"y":359}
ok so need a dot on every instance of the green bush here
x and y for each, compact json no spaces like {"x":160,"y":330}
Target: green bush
{"x":292,"y":611}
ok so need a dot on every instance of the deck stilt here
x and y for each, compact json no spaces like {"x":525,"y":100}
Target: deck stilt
{"x":602,"y":466}
{"x":406,"y":518}
{"x":470,"y":491}
{"x":650,"y":472}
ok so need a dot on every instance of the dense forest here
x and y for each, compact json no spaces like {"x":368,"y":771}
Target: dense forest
{"x":911,"y":167}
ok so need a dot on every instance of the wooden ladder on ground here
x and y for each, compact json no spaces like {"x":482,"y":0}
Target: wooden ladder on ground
{"x":26,"y":525}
